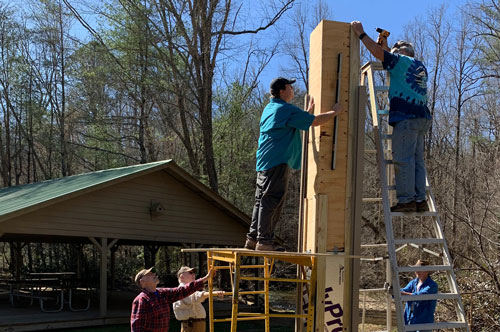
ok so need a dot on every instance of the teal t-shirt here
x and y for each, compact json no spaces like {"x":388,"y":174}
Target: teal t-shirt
{"x":279,"y":140}
{"x":408,"y":89}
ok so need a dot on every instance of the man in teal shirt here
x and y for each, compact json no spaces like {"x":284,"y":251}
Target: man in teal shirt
{"x":279,"y":150}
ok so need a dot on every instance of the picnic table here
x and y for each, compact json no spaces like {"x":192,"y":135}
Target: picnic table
{"x":47,"y":287}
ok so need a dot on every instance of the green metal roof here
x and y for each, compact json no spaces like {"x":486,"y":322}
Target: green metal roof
{"x":21,"y":197}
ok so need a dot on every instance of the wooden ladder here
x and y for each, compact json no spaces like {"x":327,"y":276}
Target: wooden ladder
{"x":382,"y":136}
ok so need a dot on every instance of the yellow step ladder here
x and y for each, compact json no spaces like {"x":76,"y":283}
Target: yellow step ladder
{"x":382,"y":136}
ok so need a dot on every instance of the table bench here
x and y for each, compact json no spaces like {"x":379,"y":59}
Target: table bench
{"x":46,"y":287}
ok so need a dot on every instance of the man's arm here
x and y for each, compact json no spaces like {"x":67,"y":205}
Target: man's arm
{"x":325,"y":117}
{"x":176,"y":294}
{"x":139,"y":316}
{"x":408,"y":288}
{"x":370,"y":44}
{"x":432,"y":288}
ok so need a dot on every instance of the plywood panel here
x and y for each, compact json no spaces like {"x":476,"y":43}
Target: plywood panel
{"x":327,"y":41}
{"x":122,"y":211}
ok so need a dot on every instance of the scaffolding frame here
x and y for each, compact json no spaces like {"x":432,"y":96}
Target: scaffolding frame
{"x":231,"y":260}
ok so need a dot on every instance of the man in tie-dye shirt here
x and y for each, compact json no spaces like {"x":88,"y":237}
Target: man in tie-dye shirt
{"x":408,"y":115}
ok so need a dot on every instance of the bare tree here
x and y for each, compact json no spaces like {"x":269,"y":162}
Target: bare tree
{"x":465,"y":76}
{"x":296,"y":45}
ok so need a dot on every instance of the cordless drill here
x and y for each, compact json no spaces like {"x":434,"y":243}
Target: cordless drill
{"x":382,"y":34}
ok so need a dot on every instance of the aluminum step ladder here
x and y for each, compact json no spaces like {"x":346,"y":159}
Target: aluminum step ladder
{"x":382,"y":136}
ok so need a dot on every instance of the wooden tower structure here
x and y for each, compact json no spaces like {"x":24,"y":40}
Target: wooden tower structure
{"x":332,"y":175}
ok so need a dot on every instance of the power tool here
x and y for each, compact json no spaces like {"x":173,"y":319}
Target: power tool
{"x":382,"y":34}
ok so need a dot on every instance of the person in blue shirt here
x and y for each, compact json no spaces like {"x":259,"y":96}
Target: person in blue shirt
{"x":279,"y":151}
{"x":420,"y":312}
{"x":408,"y":115}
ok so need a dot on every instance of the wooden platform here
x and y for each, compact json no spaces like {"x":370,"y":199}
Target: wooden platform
{"x":277,"y":254}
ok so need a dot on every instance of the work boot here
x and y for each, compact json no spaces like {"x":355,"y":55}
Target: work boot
{"x":250,"y":244}
{"x":422,"y":206}
{"x":404,"y":207}
{"x":269,"y":247}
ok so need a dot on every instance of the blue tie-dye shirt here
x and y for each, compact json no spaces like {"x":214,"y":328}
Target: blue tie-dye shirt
{"x":408,"y":88}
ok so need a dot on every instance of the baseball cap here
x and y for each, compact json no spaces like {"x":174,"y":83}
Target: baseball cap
{"x":421,"y":262}
{"x":184,"y":269}
{"x":403,"y":45}
{"x":142,"y":273}
{"x":279,"y":83}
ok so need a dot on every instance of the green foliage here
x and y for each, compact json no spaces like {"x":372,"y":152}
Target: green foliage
{"x":236,"y":130}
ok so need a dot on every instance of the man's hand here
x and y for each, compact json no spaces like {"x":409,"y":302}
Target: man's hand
{"x":310,"y":107}
{"x":209,"y":275}
{"x":337,"y":108}
{"x":218,"y":293}
{"x":382,"y":41}
{"x":357,"y":27}
{"x":327,"y":116}
{"x":375,"y":49}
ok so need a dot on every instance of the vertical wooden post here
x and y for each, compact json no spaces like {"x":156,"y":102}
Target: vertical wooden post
{"x":103,"y":292}
{"x":334,"y":230}
{"x":354,"y":207}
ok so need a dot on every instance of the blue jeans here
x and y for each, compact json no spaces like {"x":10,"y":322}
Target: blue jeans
{"x":408,"y":158}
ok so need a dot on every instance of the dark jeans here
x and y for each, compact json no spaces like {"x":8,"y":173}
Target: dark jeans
{"x":270,"y":195}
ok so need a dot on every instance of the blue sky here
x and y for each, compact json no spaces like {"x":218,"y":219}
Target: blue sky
{"x":392,"y":15}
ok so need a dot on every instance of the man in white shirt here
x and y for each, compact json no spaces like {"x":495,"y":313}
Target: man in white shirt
{"x":189,"y":310}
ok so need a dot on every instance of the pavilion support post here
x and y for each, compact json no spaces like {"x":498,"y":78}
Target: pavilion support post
{"x":103,"y":284}
{"x":103,"y":293}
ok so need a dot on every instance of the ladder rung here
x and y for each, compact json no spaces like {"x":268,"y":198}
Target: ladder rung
{"x":382,"y":88}
{"x":425,"y":268}
{"x":394,"y":188}
{"x":385,"y":136}
{"x":436,"y":326}
{"x":375,"y":152}
{"x":418,"y":241}
{"x":372,"y":199}
{"x":383,"y":112}
{"x":426,"y":297}
{"x":388,"y":161}
{"x":374,"y":245}
{"x":415,"y":214}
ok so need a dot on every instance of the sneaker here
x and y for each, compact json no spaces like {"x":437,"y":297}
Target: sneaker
{"x":422,"y":206}
{"x":250,"y":244}
{"x":269,"y":247}
{"x":404,"y":207}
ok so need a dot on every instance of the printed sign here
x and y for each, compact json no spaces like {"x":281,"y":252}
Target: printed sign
{"x":334,"y":294}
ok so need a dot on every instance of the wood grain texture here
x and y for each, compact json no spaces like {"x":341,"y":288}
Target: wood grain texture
{"x":328,"y":40}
